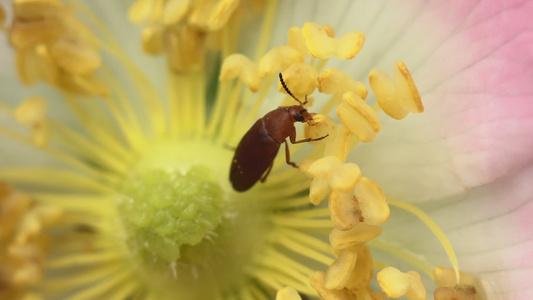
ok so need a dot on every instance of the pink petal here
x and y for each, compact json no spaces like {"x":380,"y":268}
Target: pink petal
{"x":490,"y":228}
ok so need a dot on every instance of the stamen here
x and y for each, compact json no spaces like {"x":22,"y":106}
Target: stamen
{"x":358,"y":234}
{"x":52,"y":45}
{"x":433,"y":227}
{"x":344,"y":210}
{"x":339,"y":272}
{"x":321,"y":45}
{"x":23,"y":239}
{"x":185,"y":47}
{"x":300,"y":78}
{"x":288,"y":293}
{"x":174,"y":11}
{"x":152,"y":38}
{"x":212,"y":15}
{"x":296,"y":40}
{"x":363,"y":271}
{"x":318,"y":282}
{"x":32,"y":112}
{"x":359,"y":117}
{"x":277,"y":60}
{"x":396,"y":284}
{"x":238,"y":65}
{"x":372,"y":202}
{"x":396,"y":97}
{"x":333,"y":81}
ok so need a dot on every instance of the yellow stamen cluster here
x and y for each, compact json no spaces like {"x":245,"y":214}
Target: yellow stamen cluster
{"x":357,"y":205}
{"x":32,"y":112}
{"x":396,"y":284}
{"x":53,"y":45}
{"x":449,"y":288}
{"x":185,"y":29}
{"x":23,"y":241}
{"x":288,"y":293}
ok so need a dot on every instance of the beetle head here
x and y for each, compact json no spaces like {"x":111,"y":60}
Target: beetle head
{"x":299,"y":114}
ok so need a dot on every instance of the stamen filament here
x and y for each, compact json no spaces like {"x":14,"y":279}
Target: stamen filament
{"x":229,"y":113}
{"x":105,"y":286}
{"x":54,"y":179}
{"x":266,"y":28}
{"x":291,"y":203}
{"x":309,"y":213}
{"x":92,"y":151}
{"x":61,"y":156}
{"x":129,"y":122}
{"x":303,"y":223}
{"x":83,"y":259}
{"x":308,"y":240}
{"x":223,"y":93}
{"x":402,"y":254}
{"x":152,"y":102}
{"x":305,"y":251}
{"x":441,"y":236}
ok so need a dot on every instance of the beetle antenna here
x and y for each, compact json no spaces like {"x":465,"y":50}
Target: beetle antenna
{"x":289,"y":92}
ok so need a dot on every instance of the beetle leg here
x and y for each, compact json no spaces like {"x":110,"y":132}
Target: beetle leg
{"x":264,"y":178}
{"x":288,"y":155}
{"x":308,"y":140}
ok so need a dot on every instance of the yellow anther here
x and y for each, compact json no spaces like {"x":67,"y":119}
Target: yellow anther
{"x":278,"y":59}
{"x":152,"y":39}
{"x":36,"y":9}
{"x":35,"y":64}
{"x":318,"y":283}
{"x":339,"y":272}
{"x":333,"y":81}
{"x":318,"y":190}
{"x":321,"y":125}
{"x":344,"y":210}
{"x":300,"y":79}
{"x":238,"y":65}
{"x":344,"y":177}
{"x":83,"y":84}
{"x":321,"y":45}
{"x":396,"y":97}
{"x":75,"y":56}
{"x":185,"y":47}
{"x":212,"y":15}
{"x":359,"y":234}
{"x":445,"y":277}
{"x":372,"y":202}
{"x":396,"y":284}
{"x":32,"y":112}
{"x":322,"y":167}
{"x":13,"y":205}
{"x":175,"y":10}
{"x":339,"y":142}
{"x":359,"y":117}
{"x":34,"y":221}
{"x":288,"y":293}
{"x":465,"y":292}
{"x":363,"y":271}
{"x":145,"y":11}
{"x":296,"y":40}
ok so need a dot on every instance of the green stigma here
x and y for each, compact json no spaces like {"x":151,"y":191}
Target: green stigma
{"x":167,"y":215}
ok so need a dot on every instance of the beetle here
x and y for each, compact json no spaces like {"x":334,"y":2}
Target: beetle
{"x":254,"y":156}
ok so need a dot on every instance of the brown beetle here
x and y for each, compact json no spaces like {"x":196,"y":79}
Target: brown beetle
{"x":254,"y":156}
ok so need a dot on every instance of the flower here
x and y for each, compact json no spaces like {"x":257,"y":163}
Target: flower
{"x":133,"y":152}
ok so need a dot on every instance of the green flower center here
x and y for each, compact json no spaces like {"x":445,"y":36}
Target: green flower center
{"x":164,"y":211}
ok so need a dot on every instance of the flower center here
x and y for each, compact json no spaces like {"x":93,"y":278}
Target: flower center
{"x":164,"y":211}
{"x":188,"y":232}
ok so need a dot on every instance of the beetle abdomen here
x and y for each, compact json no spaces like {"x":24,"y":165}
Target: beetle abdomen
{"x":253,"y":156}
